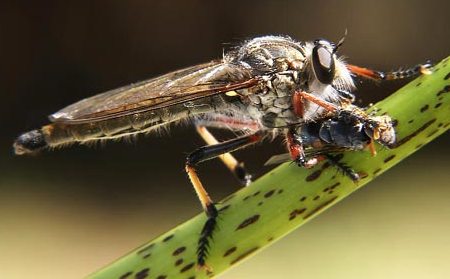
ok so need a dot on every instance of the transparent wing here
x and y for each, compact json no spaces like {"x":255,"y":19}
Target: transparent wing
{"x":309,"y":153}
{"x":176,"y":87}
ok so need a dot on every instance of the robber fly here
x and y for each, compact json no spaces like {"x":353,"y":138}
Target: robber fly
{"x":262,"y":87}
{"x":350,"y":129}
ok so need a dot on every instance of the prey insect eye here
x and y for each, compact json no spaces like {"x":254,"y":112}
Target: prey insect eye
{"x":323,"y":64}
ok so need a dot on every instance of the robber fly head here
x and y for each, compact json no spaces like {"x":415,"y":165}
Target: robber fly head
{"x":381,"y":129}
{"x":326,"y":67}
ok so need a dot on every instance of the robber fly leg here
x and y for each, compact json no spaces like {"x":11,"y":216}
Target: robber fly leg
{"x":299,"y":97}
{"x":236,"y":167}
{"x":200,"y":155}
{"x":296,"y":151}
{"x":423,"y":69}
{"x":343,"y":168}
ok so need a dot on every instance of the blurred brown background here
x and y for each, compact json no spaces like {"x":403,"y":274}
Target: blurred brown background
{"x":66,"y":213}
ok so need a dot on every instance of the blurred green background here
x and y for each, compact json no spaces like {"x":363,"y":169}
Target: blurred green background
{"x":66,"y":213}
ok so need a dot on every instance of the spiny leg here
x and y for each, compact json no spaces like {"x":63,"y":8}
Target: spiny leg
{"x":200,"y":155}
{"x":424,"y":69}
{"x":236,"y":167}
{"x":343,"y":168}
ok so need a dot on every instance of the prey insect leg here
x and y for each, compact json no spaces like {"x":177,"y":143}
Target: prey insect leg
{"x":343,"y":168}
{"x":200,"y":155}
{"x":400,"y":74}
{"x":236,"y":167}
{"x":296,"y":151}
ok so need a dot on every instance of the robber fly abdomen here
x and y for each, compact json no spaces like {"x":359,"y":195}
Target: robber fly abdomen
{"x":59,"y":134}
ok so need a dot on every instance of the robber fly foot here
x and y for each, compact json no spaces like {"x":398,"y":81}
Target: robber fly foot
{"x":206,"y":237}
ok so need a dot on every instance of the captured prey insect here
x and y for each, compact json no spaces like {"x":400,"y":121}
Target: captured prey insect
{"x":350,"y":129}
{"x":262,"y":88}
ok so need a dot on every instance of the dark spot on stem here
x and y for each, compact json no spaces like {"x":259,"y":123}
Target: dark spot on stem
{"x":362,"y":174}
{"x":142,"y":274}
{"x":332,"y":187}
{"x":167,"y":238}
{"x":224,"y":208}
{"x":269,"y":194}
{"x":418,"y":84}
{"x":313,"y":176}
{"x":243,"y":255}
{"x":437,"y":105}
{"x":126,"y":275}
{"x":446,"y":89}
{"x":248,"y":222}
{"x":280,"y":191}
{"x":260,"y":203}
{"x":161,"y":277}
{"x":424,"y":108}
{"x":246,"y":198}
{"x":229,"y":251}
{"x":395,"y":122}
{"x":256,"y":193}
{"x":145,"y":252}
{"x":302,"y":199}
{"x":178,"y":262}
{"x":447,"y":76}
{"x":295,"y":213}
{"x":187,"y":267}
{"x":179,"y":251}
{"x":376,"y":171}
{"x":412,"y":135}
{"x":321,"y":206}
{"x":387,"y":159}
{"x":316,"y":198}
{"x":411,"y":121}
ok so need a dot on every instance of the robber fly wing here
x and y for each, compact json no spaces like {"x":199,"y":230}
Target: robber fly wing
{"x":173,"y":88}
{"x":309,"y":152}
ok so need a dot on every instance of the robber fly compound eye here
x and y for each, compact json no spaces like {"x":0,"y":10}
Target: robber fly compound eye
{"x":323,"y":62}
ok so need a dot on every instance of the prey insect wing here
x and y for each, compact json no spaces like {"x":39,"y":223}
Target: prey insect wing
{"x":309,"y":152}
{"x":174,"y":88}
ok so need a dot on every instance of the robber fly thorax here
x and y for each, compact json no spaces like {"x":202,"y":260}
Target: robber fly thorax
{"x":267,"y":86}
{"x":287,"y":67}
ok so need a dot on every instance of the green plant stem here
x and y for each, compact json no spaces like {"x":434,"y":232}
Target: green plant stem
{"x":287,"y":197}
